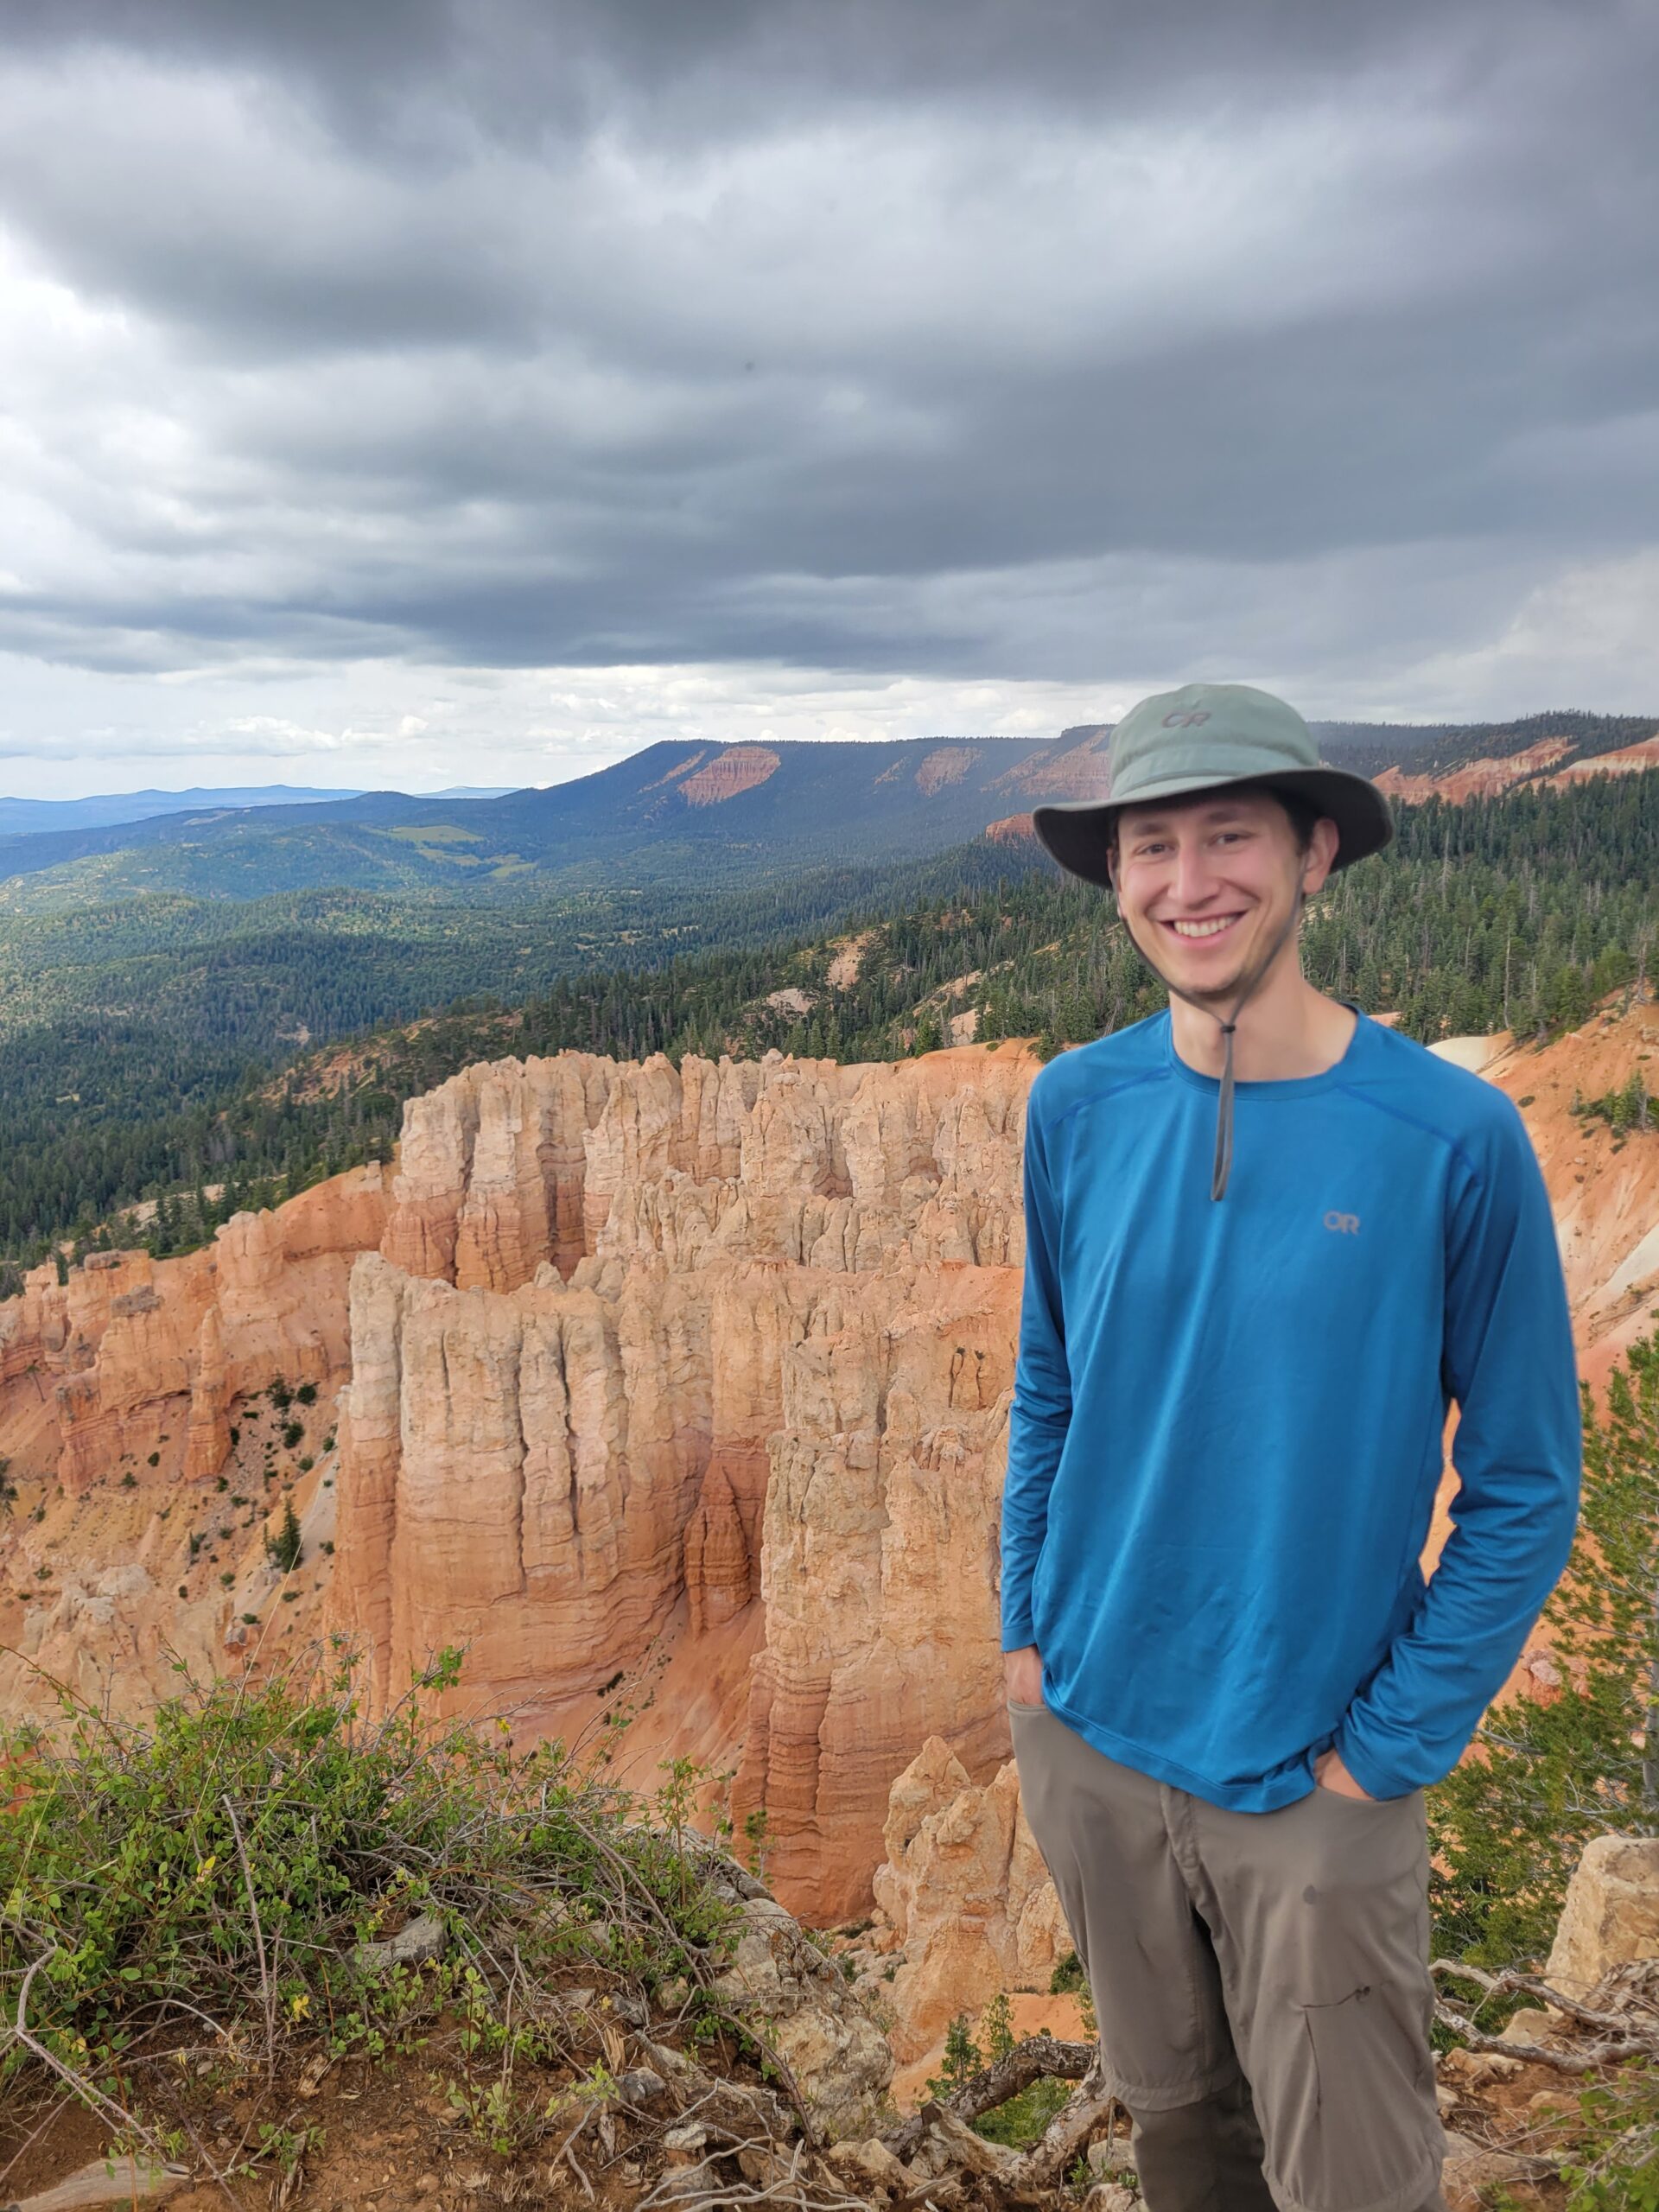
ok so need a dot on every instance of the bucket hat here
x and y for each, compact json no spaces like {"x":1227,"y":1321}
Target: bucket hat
{"x":1201,"y":738}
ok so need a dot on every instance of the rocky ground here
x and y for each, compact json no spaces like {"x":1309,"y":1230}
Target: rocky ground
{"x":638,"y":2113}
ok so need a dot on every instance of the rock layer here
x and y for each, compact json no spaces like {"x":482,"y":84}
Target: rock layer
{"x":765,"y":1358}
{"x":965,"y":1892}
{"x":139,"y":1357}
{"x":136,"y":1538}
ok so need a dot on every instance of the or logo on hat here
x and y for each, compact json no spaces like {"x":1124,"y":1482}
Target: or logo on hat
{"x":1346,"y":1225}
{"x":1188,"y":721}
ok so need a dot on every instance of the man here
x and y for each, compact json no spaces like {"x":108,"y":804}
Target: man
{"x":1268,"y":1240}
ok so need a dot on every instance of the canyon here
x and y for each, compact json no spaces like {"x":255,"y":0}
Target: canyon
{"x":677,"y":1398}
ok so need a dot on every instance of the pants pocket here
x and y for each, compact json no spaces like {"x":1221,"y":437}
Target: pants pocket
{"x":1371,"y":2125}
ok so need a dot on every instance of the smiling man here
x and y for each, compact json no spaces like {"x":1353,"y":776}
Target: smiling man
{"x":1268,"y":1242}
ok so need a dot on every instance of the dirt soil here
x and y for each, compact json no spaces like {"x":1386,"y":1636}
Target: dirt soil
{"x":375,"y":2134}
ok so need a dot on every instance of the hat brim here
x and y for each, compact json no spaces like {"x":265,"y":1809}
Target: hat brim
{"x":1078,"y":832}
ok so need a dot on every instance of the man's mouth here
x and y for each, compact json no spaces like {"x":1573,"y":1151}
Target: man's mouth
{"x":1212,"y":925}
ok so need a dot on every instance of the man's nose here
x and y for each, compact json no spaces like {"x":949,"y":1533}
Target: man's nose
{"x":1194,"y":878}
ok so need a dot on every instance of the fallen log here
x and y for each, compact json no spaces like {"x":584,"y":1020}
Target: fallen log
{"x":1036,"y":2058}
{"x":125,"y":2180}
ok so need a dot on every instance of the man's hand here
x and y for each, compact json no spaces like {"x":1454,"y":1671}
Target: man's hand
{"x":1331,"y":1774}
{"x":1022,"y":1675}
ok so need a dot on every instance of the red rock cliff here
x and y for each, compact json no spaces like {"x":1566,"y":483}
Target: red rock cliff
{"x":644,"y":1349}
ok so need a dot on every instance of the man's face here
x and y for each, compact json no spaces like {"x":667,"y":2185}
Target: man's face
{"x":1205,"y":885}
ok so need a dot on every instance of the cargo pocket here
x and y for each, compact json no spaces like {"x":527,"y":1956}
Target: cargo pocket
{"x":1371,"y":2123}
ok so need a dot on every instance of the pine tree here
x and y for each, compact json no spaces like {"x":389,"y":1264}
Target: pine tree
{"x":1509,"y":1825}
{"x":962,"y":2060}
{"x":997,"y":2026}
{"x":285,"y":1548}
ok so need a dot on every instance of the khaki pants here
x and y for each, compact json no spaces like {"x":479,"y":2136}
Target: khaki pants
{"x":1261,"y":1980}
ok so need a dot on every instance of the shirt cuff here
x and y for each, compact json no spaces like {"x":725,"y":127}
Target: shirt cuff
{"x":1374,"y":1781}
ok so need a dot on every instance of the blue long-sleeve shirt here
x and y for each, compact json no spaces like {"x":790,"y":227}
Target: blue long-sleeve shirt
{"x":1228,"y":1417}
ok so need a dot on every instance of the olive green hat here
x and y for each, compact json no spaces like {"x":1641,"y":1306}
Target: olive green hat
{"x":1199,"y":739}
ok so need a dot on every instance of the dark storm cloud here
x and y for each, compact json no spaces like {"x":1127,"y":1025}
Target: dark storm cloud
{"x":866,"y":335}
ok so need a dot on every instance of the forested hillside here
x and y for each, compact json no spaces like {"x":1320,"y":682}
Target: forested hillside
{"x":1437,"y":748}
{"x":167,"y":1063}
{"x":675,"y":815}
{"x":138,"y":1040}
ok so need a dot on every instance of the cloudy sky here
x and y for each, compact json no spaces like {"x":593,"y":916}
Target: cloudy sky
{"x":477,"y":390}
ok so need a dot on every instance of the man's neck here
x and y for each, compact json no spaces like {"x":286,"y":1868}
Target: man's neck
{"x":1289,"y":1029}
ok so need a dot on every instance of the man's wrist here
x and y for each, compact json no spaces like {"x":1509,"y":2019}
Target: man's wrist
{"x":1331,"y":1771}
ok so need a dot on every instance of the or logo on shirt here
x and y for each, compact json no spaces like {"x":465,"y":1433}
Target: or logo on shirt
{"x":1346,"y":1225}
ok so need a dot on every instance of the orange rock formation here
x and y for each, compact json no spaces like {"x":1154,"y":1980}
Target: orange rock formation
{"x":766,"y":1362}
{"x":739,"y":768}
{"x":1476,"y":779}
{"x":946,"y":763}
{"x":118,"y":1393}
{"x":1629,"y":759}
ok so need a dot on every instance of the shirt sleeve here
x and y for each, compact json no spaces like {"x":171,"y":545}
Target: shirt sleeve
{"x":1508,"y":1362}
{"x":1041,"y":1411}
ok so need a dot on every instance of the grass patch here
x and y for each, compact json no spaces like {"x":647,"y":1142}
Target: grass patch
{"x":435,"y":833}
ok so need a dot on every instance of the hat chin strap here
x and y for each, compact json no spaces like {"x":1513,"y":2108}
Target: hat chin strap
{"x":1223,"y":1163}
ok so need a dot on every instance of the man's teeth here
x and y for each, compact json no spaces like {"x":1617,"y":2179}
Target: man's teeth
{"x":1203,"y":929}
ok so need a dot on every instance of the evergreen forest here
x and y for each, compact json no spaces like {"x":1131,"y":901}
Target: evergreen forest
{"x":207,"y":1057}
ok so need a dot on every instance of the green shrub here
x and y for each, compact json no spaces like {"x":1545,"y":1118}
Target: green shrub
{"x":1024,"y":2120}
{"x":209,"y":1873}
{"x":1509,"y":1826}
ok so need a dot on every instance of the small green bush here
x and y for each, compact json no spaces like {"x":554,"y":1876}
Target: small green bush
{"x":210,"y":1872}
{"x":1024,"y":2120}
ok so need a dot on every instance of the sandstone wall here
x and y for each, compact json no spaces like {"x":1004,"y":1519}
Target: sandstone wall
{"x":965,"y":1895}
{"x":738,"y":1334}
{"x":133,"y":1355}
{"x":136,"y":1539}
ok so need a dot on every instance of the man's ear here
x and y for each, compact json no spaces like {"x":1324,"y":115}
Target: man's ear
{"x":1321,"y":853}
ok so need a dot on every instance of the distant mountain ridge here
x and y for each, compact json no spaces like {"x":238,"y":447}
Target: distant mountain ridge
{"x":109,"y":809}
{"x":693,"y":813}
{"x":27,"y":817}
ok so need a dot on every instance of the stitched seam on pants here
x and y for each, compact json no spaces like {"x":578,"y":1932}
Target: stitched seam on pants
{"x":1209,"y":2057}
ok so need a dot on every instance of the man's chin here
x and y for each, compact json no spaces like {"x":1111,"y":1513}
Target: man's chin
{"x":1214,"y":994}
